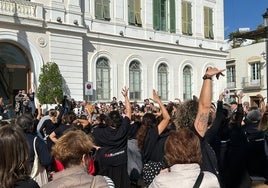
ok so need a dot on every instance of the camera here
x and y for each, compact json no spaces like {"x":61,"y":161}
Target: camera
{"x":227,"y":93}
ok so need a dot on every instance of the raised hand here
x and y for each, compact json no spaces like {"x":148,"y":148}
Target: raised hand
{"x":124,"y":91}
{"x":214,"y":71}
{"x":155,"y":97}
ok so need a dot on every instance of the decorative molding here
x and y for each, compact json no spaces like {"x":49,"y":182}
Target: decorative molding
{"x":42,"y":42}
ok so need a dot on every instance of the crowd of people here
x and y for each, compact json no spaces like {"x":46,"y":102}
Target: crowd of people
{"x":191,"y":143}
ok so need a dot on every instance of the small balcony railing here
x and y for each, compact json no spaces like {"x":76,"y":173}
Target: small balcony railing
{"x":21,"y":8}
{"x":231,"y":85}
{"x":252,"y":84}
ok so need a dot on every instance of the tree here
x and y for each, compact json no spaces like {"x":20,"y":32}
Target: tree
{"x":50,"y":85}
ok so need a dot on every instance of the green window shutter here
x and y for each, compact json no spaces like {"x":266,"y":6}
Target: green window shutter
{"x":189,"y":18}
{"x":211,"y":34}
{"x":131,"y":12}
{"x":184,"y":17}
{"x":163,"y":15}
{"x":106,"y":9}
{"x":156,"y":16}
{"x":206,"y":22}
{"x":98,"y":9}
{"x":138,"y":12}
{"x":172,"y":16}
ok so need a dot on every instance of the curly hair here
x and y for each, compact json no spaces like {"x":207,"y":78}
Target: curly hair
{"x":186,"y":114}
{"x":182,"y":147}
{"x":148,"y":120}
{"x":71,"y":147}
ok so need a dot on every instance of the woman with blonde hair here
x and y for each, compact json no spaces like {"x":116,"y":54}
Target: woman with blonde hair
{"x":73,"y":150}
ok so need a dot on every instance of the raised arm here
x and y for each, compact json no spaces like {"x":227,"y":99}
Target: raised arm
{"x":163,"y":124}
{"x":127,"y":102}
{"x":201,"y":119}
{"x":262,"y":103}
{"x":39,"y":112}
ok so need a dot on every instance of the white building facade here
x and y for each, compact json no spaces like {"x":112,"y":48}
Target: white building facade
{"x":144,"y":45}
{"x":246,"y":71}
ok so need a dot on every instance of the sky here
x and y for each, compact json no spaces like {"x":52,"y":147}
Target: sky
{"x":243,"y":14}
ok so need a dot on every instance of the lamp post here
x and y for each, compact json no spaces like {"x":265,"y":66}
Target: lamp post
{"x":265,"y":19}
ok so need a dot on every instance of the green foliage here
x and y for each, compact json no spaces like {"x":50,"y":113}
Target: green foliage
{"x":50,"y":86}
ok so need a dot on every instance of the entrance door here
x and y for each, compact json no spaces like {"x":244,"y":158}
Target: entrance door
{"x":14,"y":71}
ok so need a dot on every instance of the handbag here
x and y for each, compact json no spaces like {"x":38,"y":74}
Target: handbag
{"x":38,"y":173}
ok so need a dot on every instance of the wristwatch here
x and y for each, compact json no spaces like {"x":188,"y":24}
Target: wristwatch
{"x":207,"y":77}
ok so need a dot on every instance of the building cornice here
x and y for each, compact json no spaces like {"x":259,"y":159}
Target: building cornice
{"x":157,"y":46}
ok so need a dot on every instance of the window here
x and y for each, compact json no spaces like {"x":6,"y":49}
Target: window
{"x":186,"y":18}
{"x":163,"y":81}
{"x":187,"y":83}
{"x":102,"y":9}
{"x":103,"y":79}
{"x":135,"y":80}
{"x":255,"y":71}
{"x":230,"y":74}
{"x":208,"y":23}
{"x":164,"y":15}
{"x":134,"y":12}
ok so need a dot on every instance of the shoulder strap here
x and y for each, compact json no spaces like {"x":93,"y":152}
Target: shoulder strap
{"x":199,"y":180}
{"x":35,"y":153}
{"x":93,"y":182}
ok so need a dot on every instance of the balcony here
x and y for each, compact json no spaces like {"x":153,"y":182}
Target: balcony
{"x":249,"y":84}
{"x":21,"y":8}
{"x":231,"y":85}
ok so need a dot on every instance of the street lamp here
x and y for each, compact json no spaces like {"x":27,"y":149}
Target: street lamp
{"x":265,"y":21}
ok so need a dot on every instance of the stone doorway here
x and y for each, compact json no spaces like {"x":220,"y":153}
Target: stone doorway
{"x":15,"y":71}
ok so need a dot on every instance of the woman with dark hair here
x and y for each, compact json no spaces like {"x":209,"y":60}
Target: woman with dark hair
{"x":112,"y":137}
{"x":151,"y":138}
{"x":183,"y":155}
{"x":14,"y":155}
{"x":68,"y":120}
{"x":26,"y":122}
{"x":49,"y":125}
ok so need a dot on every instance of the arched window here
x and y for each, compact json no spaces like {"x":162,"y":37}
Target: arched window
{"x":187,"y":83}
{"x":103,"y":79}
{"x":135,"y":80}
{"x":162,"y":75}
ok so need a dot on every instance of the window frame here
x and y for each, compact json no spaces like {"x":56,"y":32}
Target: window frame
{"x":102,"y":67}
{"x":134,"y":12}
{"x":102,"y":10}
{"x":164,"y":15}
{"x":162,"y":74}
{"x":187,"y":83}
{"x":208,"y":23}
{"x":186,"y":15}
{"x":255,"y":71}
{"x":135,"y":80}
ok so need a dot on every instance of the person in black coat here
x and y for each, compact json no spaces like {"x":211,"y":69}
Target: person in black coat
{"x":26,"y":122}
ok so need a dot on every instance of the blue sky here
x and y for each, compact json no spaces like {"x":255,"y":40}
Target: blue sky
{"x":243,"y":14}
